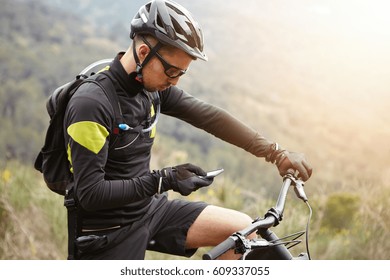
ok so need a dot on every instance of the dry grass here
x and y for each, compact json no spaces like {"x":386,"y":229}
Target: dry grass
{"x":30,"y":217}
{"x":33,"y":220}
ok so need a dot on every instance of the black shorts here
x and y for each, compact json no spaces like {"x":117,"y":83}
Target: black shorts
{"x":165,"y":230}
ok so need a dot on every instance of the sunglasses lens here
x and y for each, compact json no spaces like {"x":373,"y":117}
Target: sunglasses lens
{"x":174,"y":72}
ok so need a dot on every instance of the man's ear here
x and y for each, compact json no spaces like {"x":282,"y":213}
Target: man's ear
{"x":143,"y":51}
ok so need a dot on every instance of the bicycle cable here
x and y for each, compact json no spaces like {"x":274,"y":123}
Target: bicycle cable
{"x":307,"y":229}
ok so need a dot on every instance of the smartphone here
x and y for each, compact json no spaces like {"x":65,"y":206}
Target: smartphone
{"x":212,"y":174}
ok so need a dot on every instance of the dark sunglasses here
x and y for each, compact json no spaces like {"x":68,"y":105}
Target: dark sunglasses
{"x":170,"y":70}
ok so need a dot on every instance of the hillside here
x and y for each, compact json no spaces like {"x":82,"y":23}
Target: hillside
{"x":310,"y":75}
{"x":307,"y":76}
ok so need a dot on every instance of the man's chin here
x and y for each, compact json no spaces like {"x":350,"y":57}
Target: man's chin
{"x":152,"y":89}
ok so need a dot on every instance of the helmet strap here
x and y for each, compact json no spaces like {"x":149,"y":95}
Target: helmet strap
{"x":140,"y":65}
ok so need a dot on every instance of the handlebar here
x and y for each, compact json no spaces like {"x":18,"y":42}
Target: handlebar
{"x":221,"y":248}
{"x":272,"y":218}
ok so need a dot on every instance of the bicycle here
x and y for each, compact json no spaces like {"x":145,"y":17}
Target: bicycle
{"x":269,"y":247}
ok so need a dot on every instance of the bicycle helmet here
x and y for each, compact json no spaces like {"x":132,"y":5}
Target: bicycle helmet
{"x":171,"y":24}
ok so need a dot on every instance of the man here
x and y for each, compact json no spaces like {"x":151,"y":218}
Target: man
{"x":123,"y":210}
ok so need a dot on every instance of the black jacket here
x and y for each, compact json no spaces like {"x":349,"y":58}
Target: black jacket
{"x":114,"y":184}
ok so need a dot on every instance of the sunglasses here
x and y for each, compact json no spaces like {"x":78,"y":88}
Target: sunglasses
{"x":170,"y":70}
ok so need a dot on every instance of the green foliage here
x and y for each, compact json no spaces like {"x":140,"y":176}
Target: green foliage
{"x":33,"y":38}
{"x":341,"y":210}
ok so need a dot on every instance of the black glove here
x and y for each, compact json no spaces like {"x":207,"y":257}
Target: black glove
{"x":295,"y":161}
{"x":285,"y":161}
{"x":183,"y":179}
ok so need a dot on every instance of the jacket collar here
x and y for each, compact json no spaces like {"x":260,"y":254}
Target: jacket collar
{"x":126,"y":81}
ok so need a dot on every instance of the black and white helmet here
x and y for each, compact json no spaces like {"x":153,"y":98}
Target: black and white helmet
{"x":171,"y":24}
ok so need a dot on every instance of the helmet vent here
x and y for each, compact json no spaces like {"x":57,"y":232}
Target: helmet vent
{"x":144,"y":18}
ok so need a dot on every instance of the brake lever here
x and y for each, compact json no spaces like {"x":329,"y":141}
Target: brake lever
{"x":299,"y":190}
{"x":298,"y":187}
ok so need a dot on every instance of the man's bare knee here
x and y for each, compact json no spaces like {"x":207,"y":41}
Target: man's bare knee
{"x":214,"y":225}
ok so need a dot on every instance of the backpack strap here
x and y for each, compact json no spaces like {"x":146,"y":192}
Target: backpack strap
{"x":74,"y":225}
{"x":107,"y":85}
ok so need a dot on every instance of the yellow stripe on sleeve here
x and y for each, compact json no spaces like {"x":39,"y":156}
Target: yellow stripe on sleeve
{"x":90,"y":135}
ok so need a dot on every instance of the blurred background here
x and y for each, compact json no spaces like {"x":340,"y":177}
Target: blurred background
{"x":312,"y":75}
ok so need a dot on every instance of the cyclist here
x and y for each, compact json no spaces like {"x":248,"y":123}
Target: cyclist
{"x":123,"y":209}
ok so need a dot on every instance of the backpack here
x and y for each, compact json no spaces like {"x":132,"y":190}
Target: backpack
{"x":52,"y":160}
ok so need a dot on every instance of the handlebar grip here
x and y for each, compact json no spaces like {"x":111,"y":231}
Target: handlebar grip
{"x":221,"y":248}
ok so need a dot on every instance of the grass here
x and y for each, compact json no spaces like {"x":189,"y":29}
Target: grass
{"x":33,"y":220}
{"x":346,"y":224}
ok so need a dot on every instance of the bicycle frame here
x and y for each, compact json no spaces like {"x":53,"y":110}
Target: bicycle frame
{"x":270,"y":247}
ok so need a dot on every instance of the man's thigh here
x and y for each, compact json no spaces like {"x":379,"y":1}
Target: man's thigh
{"x":214,"y":225}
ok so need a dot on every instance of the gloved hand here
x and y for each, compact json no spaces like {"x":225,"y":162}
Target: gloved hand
{"x":295,"y":161}
{"x":285,"y":160}
{"x":183,"y":179}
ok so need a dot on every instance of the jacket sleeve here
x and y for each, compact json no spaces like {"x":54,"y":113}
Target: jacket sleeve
{"x":87,"y":128}
{"x":214,"y":120}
